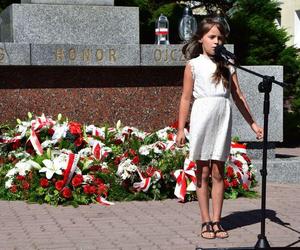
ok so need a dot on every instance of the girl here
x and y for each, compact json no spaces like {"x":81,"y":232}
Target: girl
{"x":210,"y":82}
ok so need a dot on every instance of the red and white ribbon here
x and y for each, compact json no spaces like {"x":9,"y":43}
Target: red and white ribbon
{"x":103,"y":201}
{"x":41,"y":122}
{"x":35,"y":142}
{"x":238,"y":148}
{"x":185,"y":179}
{"x":8,"y":140}
{"x":145,"y":183}
{"x":97,"y":150}
{"x":72,"y":164}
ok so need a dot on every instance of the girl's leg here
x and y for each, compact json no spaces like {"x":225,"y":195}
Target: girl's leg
{"x":218,"y":196}
{"x":203,"y":172}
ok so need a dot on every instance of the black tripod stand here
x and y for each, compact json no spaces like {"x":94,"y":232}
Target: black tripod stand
{"x":264,"y":87}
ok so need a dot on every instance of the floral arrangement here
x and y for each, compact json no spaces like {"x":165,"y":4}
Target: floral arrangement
{"x":64,"y":162}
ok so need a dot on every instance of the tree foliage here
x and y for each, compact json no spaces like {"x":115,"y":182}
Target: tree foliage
{"x":5,"y":3}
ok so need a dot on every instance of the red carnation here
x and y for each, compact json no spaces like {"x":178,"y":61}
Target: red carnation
{"x":92,"y":189}
{"x":20,"y":177}
{"x":174,"y":125}
{"x":51,"y":131}
{"x":75,"y":128}
{"x":98,"y":181}
{"x":118,"y":142}
{"x":135,"y":160}
{"x":170,"y":137}
{"x":86,"y":189}
{"x":226,"y":184}
{"x":78,"y":141}
{"x":25,"y":185}
{"x":77,"y":180}
{"x":235,"y":183}
{"x":66,"y":192}
{"x":239,"y":175}
{"x":245,"y":187}
{"x":102,"y":189}
{"x":59,"y":185}
{"x":230,"y":171}
{"x":44,"y":182}
{"x":13,"y":188}
{"x":117,"y":160}
{"x":95,"y":168}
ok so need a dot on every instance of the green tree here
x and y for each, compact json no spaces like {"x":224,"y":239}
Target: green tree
{"x":5,"y":3}
{"x":149,"y":12}
{"x":257,"y":41}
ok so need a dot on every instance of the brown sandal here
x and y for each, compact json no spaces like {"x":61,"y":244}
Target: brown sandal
{"x":209,"y":229}
{"x":219,"y":230}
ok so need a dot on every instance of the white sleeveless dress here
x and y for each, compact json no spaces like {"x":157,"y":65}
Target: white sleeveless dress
{"x":211,"y":118}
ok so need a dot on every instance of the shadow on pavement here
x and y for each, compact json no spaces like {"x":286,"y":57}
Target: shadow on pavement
{"x":245,"y":218}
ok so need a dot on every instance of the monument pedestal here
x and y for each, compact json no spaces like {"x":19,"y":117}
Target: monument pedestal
{"x":85,"y":61}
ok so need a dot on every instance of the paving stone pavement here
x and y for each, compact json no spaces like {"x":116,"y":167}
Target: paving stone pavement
{"x":149,"y":225}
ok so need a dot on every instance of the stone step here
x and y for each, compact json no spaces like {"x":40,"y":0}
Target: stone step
{"x":280,"y":170}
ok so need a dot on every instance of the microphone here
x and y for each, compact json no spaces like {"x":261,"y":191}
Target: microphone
{"x":222,"y":53}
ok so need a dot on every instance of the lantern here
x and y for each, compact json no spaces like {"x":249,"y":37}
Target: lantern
{"x":162,"y":30}
{"x":187,"y":25}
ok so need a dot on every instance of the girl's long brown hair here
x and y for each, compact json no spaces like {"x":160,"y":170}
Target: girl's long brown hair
{"x":193,"y":48}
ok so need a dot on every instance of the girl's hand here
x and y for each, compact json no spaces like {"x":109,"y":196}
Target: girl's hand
{"x":258,"y":131}
{"x":180,"y":138}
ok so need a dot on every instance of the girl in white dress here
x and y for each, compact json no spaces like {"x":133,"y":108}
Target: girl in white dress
{"x":210,"y":82}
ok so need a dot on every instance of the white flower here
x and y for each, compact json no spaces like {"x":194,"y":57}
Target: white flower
{"x":87,"y":178}
{"x":85,"y":152}
{"x":144,"y":150}
{"x":104,"y":165}
{"x":12,"y":172}
{"x":60,"y":131}
{"x":8,"y":183}
{"x":22,"y":128}
{"x":20,"y":155}
{"x":22,"y":167}
{"x":126,"y":168}
{"x":52,"y":167}
{"x":46,"y":144}
{"x":118,"y":125}
{"x":163,"y":133}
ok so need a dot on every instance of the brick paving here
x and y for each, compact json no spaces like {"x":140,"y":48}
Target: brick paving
{"x":148,"y":225}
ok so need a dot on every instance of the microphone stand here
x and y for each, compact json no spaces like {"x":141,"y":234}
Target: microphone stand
{"x":264,"y":87}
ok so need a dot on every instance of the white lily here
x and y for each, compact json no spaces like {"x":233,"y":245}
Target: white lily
{"x":12,"y":172}
{"x":8,"y":183}
{"x":118,"y":125}
{"x":52,"y":167}
{"x":60,"y":131}
{"x":24,"y":166}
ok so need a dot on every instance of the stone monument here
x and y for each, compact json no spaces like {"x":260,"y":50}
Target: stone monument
{"x":83,"y":58}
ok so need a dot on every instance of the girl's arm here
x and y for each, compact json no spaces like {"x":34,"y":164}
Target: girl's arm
{"x":185,"y":102}
{"x":243,"y":107}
